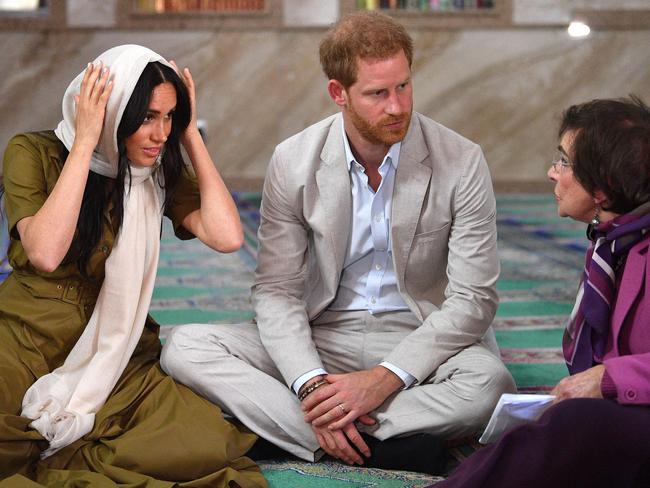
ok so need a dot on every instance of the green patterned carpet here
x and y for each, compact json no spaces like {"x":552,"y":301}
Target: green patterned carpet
{"x":541,"y":259}
{"x":298,"y":474}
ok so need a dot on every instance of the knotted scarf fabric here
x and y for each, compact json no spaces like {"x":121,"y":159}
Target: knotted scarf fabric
{"x":64,"y":402}
{"x":588,"y":327}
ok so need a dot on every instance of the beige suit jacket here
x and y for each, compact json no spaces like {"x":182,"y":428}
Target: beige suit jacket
{"x":443,"y":234}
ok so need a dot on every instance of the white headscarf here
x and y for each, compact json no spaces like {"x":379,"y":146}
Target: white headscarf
{"x":63,"y":403}
{"x":126,"y":63}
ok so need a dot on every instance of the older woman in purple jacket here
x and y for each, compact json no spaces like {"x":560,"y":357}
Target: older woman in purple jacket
{"x":598,"y":432}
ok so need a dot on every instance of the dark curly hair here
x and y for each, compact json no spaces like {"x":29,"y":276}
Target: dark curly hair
{"x":611,"y":150}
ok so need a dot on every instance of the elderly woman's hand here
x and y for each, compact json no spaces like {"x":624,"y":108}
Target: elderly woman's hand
{"x":581,"y":385}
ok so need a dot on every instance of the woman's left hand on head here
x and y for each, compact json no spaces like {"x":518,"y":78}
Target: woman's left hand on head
{"x":580,"y":385}
{"x":191,"y":89}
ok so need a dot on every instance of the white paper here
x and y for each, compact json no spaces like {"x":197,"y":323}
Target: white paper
{"x":513,"y":410}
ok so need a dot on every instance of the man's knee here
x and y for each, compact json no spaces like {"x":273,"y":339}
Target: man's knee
{"x":499,"y":381}
{"x":192,"y":350}
{"x":177,"y":353}
{"x":494,"y":379}
{"x":502,"y":381}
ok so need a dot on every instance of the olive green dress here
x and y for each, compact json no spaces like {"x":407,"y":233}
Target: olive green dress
{"x":152,"y":431}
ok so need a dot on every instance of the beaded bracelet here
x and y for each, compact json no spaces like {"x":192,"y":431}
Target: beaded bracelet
{"x":311,"y":388}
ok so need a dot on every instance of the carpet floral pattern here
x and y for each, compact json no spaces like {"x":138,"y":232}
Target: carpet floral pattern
{"x":541,"y":260}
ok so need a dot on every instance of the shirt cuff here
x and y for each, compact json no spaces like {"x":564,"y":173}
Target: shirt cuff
{"x":304,"y":378}
{"x":607,"y":386}
{"x":406,"y":378}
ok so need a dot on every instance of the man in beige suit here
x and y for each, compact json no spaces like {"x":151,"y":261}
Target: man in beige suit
{"x":375,"y":285}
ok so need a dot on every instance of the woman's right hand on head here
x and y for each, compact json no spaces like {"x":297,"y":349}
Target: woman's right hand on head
{"x":91,"y":104}
{"x":47,"y":235}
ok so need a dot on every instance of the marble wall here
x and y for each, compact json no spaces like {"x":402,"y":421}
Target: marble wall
{"x":504,"y":88}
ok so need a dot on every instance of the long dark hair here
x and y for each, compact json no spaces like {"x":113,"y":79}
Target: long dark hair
{"x":96,"y":198}
{"x":611,"y":150}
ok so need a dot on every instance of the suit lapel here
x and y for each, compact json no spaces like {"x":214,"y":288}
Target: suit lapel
{"x":333,"y":182}
{"x":412,"y":180}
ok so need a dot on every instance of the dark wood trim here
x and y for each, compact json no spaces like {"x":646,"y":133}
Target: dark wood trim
{"x":128,"y":17}
{"x":614,"y":19}
{"x":499,"y":16}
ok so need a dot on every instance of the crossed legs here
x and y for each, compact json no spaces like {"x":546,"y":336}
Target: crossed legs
{"x":228,"y":365}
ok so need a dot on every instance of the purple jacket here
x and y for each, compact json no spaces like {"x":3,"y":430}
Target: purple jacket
{"x":627,"y":356}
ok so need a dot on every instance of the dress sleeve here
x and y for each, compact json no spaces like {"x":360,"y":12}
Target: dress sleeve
{"x":186,"y":199}
{"x":26,"y":187}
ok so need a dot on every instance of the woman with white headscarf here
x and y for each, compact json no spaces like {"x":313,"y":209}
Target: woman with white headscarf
{"x":82,"y":397}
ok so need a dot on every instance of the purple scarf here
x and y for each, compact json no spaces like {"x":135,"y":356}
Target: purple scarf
{"x":588,"y":327}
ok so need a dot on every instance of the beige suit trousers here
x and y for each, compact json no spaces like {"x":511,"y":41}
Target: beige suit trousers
{"x":228,"y":365}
